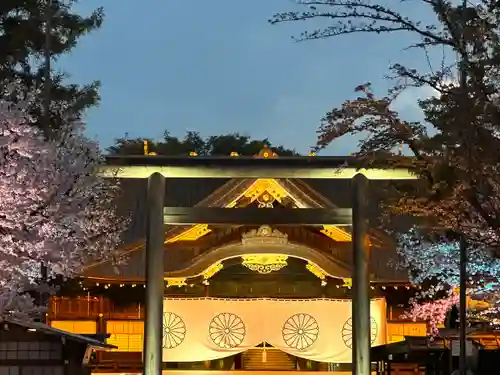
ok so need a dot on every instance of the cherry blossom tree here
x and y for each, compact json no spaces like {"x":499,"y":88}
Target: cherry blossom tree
{"x":54,"y":210}
{"x":438,"y":259}
{"x":433,"y":312}
{"x":458,"y":192}
{"x":454,"y":150}
{"x":435,"y":262}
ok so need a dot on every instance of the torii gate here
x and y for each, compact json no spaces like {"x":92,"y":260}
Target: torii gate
{"x":157,"y":168}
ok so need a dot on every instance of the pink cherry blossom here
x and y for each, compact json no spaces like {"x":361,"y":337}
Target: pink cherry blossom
{"x":436,"y":263}
{"x":54,"y":210}
{"x":433,"y":312}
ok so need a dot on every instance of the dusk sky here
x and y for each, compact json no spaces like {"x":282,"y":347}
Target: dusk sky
{"x":218,"y":66}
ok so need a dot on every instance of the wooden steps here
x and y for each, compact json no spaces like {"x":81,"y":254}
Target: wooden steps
{"x":275,"y":360}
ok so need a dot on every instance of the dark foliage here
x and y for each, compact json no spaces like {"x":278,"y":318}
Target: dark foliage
{"x":217,"y":145}
{"x":22,"y":45}
{"x":456,"y":150}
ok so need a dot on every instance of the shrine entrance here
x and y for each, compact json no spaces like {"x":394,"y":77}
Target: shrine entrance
{"x":157,"y":168}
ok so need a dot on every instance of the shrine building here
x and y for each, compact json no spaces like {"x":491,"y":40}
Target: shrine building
{"x":242,"y":297}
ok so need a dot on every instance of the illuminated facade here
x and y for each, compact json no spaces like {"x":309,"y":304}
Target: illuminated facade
{"x":232,"y":278}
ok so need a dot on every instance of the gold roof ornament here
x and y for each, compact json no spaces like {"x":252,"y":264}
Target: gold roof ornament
{"x":146,"y":148}
{"x":266,"y":153}
{"x":192,"y":153}
{"x":265,"y":186}
{"x":234,"y":153}
{"x":265,"y":235}
{"x":265,"y":200}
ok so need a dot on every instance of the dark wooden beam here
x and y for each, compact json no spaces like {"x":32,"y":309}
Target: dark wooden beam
{"x":238,"y":162}
{"x":257,"y":216}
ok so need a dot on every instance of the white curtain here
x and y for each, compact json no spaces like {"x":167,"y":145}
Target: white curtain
{"x":201,"y":329}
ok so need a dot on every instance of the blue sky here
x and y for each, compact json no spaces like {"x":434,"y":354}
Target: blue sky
{"x":218,"y":66}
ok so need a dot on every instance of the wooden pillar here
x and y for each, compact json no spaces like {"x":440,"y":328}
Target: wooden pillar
{"x":463,"y":307}
{"x":155,"y":238}
{"x":360,"y":278}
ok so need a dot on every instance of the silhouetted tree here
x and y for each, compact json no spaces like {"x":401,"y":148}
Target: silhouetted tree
{"x":455,"y":150}
{"x":22,"y":47}
{"x":217,"y":145}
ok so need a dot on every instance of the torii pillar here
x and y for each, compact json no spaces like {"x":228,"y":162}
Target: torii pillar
{"x":360,"y":278}
{"x":155,"y":238}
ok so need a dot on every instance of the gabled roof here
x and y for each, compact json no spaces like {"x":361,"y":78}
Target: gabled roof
{"x":214,"y":193}
{"x":234,"y":191}
{"x":217,"y":193}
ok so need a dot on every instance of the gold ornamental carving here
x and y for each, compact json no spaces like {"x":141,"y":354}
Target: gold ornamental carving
{"x":264,"y":263}
{"x":176,"y":281}
{"x":316,"y":271}
{"x":347,"y":282}
{"x":212,"y":270}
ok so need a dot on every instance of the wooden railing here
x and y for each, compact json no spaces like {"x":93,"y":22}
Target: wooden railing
{"x":91,"y":308}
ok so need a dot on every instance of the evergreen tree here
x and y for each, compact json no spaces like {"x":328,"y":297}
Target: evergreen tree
{"x":216,"y":145}
{"x":23,"y":42}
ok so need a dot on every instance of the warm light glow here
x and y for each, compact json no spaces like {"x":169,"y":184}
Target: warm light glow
{"x":205,"y":329}
{"x":305,"y":173}
{"x":146,"y":149}
{"x":176,"y":281}
{"x":264,"y":263}
{"x":191,"y":234}
{"x":316,"y":271}
{"x":347,"y":283}
{"x":396,"y":332}
{"x":75,"y":326}
{"x":212,"y":270}
{"x":228,"y":372}
{"x":128,"y":336}
{"x":336,"y":233}
{"x":252,"y":193}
